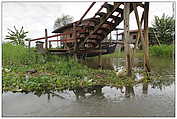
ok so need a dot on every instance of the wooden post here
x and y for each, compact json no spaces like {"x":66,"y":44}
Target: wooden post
{"x":57,"y":41}
{"x":138,"y":37}
{"x":99,"y":57}
{"x":29,"y":45}
{"x":146,"y":38}
{"x":139,"y":24}
{"x":127,"y":37}
{"x":46,"y":39}
{"x":50,"y":45}
{"x":76,"y":43}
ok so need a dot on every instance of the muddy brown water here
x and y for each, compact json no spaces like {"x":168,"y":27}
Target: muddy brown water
{"x":153,"y":99}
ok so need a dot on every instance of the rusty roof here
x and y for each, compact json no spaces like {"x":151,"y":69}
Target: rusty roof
{"x":62,"y":28}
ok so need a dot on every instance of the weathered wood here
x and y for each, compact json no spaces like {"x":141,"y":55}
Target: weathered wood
{"x":102,"y":21}
{"x":29,"y":44}
{"x":139,"y":24}
{"x":76,"y":43}
{"x":127,"y":37}
{"x":46,"y":39}
{"x":99,"y":57}
{"x":146,"y":38}
{"x":86,"y":12}
{"x":50,"y":44}
{"x":138,"y":37}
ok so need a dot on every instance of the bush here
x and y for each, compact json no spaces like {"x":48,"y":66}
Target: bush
{"x":162,"y":50}
{"x":19,"y":55}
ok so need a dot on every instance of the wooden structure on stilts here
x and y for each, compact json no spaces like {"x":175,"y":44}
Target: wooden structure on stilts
{"x":85,"y":37}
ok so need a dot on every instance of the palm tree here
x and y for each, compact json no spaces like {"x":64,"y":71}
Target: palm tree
{"x":17,"y":37}
{"x":62,"y":21}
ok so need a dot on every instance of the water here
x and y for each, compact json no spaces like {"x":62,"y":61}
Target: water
{"x":155,"y":99}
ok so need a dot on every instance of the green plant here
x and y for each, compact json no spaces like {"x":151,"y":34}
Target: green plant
{"x":19,"y":55}
{"x":17,"y":37}
{"x":164,"y":28}
{"x":162,"y":50}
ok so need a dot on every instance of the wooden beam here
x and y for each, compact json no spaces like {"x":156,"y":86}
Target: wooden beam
{"x":76,"y":43}
{"x":102,"y":22}
{"x":127,"y":37}
{"x":146,"y":38}
{"x":86,"y":12}
{"x":99,"y":57}
{"x":139,"y":24}
{"x":46,"y":39}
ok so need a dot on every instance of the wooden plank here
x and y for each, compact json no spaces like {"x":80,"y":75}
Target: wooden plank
{"x":127,"y":37}
{"x":146,"y":38}
{"x":102,"y":22}
{"x":63,"y":40}
{"x":100,"y":9}
{"x":61,"y":34}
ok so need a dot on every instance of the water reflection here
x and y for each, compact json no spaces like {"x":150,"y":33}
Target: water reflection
{"x":145,"y":88}
{"x":88,"y":92}
{"x":155,"y":98}
{"x":129,"y":91}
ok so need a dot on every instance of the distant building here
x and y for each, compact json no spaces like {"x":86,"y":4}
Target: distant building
{"x":133,"y":35}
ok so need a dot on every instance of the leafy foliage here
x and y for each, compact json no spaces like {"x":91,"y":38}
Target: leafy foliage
{"x":164,"y":28}
{"x":162,"y":50}
{"x":63,"y":20}
{"x":17,"y":37}
{"x":19,"y":55}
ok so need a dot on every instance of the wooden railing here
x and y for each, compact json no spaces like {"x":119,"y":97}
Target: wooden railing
{"x":46,"y":38}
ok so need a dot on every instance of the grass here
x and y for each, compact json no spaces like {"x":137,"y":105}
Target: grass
{"x":162,"y":50}
{"x":116,"y":54}
{"x":53,"y":72}
{"x":19,"y":55}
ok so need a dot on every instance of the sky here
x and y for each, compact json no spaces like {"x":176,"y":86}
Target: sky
{"x":36,"y":16}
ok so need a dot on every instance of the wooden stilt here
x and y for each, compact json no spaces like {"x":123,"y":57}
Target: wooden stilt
{"x":99,"y":57}
{"x":127,"y":37}
{"x":29,"y":45}
{"x":146,"y":38}
{"x":46,"y":39}
{"x":50,"y":45}
{"x":139,"y":24}
{"x":76,"y":43}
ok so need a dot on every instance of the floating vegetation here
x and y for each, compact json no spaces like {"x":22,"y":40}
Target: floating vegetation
{"x":53,"y":73}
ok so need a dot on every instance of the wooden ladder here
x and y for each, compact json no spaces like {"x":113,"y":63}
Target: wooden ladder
{"x":106,"y":21}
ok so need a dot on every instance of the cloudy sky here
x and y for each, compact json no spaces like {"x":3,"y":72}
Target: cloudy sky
{"x":36,"y":16}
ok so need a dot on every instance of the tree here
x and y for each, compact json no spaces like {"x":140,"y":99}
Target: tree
{"x":63,"y":20}
{"x":17,"y":37}
{"x":164,"y":28}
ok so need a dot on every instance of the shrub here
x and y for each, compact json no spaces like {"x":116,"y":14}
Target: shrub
{"x":18,"y":54}
{"x":162,"y":50}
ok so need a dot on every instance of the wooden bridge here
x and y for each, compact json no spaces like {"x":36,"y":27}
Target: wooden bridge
{"x":87,"y":35}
